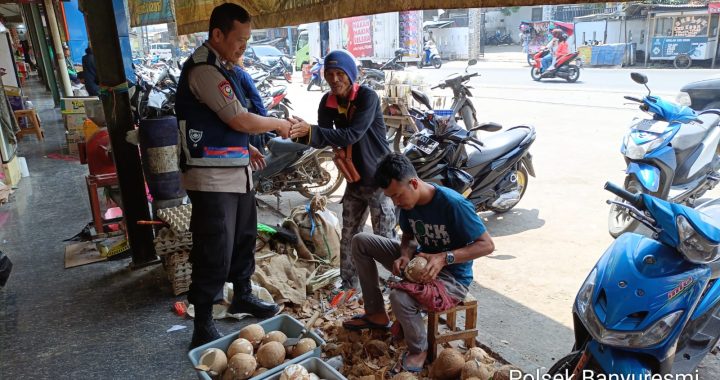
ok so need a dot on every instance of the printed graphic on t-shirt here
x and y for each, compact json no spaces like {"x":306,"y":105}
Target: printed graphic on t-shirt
{"x":430,"y":235}
{"x":226,"y":90}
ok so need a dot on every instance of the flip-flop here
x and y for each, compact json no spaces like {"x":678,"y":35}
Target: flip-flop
{"x":405,"y":367}
{"x":368,"y":324}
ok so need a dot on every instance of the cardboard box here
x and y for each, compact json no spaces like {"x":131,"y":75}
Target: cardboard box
{"x":12,"y":172}
{"x":74,"y":122}
{"x":74,"y":104}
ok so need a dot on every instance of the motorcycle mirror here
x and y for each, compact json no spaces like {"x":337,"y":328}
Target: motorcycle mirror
{"x":472,"y":62}
{"x":639,"y":78}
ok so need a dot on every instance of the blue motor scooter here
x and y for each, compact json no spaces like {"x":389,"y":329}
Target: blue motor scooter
{"x":672,"y":155}
{"x":651,"y":305}
{"x":316,"y":75}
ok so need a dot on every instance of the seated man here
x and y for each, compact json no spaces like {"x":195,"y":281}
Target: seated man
{"x":438,"y":224}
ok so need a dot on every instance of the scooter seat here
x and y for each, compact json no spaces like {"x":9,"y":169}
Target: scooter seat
{"x":496,"y":145}
{"x":709,"y":119}
{"x":279,"y":145}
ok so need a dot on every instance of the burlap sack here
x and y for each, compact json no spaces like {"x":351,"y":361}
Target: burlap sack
{"x":317,"y":230}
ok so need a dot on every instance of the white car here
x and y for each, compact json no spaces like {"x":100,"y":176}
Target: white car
{"x":163,"y":50}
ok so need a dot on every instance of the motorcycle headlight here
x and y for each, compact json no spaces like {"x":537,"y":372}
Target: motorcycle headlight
{"x":635,"y":151}
{"x":695,"y":247}
{"x":683,"y":98}
{"x":631,"y":339}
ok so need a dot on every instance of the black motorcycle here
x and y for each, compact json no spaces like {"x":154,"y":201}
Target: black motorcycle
{"x":297,"y":167}
{"x":493,"y":174}
{"x":375,"y":77}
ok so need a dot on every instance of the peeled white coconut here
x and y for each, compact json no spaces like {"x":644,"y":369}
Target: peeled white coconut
{"x":295,"y":372}
{"x":415,"y":269}
{"x":214,"y":360}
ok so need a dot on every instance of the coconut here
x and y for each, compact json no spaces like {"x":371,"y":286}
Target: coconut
{"x":259,"y":371}
{"x":448,"y":365}
{"x":275,"y":336}
{"x":242,"y":366}
{"x":478,"y":354}
{"x":475,"y":369}
{"x":503,"y":373}
{"x":240,"y":345}
{"x":376,"y":348}
{"x":367,"y":377}
{"x":214,"y":359}
{"x":314,"y":376}
{"x":254,"y":333}
{"x":304,"y":345}
{"x":404,"y":376}
{"x":270,"y":354}
{"x":295,"y":372}
{"x":415,"y":269}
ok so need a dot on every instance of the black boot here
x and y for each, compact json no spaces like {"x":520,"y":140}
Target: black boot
{"x":204,"y":330}
{"x":245,"y":302}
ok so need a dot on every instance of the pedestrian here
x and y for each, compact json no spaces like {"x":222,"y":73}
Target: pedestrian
{"x":349,"y":117}
{"x":437,"y":224}
{"x":92,"y":85}
{"x":214,"y":127}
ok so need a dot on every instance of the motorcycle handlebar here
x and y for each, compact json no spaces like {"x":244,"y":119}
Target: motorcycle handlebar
{"x":633,"y":199}
{"x":633,"y":99}
{"x":457,"y":80}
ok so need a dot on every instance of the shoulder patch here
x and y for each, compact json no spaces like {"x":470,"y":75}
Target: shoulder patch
{"x":226,"y":90}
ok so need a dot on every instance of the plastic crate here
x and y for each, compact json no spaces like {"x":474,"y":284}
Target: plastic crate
{"x":285,"y":323}
{"x":443,"y":114}
{"x":318,"y":367}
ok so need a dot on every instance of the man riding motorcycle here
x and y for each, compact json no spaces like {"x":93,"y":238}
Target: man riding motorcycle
{"x":551,"y":47}
{"x":561,"y":50}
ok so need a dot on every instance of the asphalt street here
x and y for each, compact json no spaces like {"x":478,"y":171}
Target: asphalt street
{"x":546,"y":245}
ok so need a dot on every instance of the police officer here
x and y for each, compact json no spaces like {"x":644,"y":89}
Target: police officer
{"x":214,"y":126}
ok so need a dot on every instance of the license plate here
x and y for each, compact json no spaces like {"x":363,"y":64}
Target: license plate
{"x":426,"y":144}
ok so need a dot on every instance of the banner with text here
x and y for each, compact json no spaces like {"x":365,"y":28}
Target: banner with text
{"x":150,"y":12}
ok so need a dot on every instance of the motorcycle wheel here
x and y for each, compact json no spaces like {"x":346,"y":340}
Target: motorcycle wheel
{"x":437,"y":62}
{"x":535,"y":74}
{"x":574,"y":74}
{"x":619,"y":221}
{"x":310,"y":85}
{"x":521,"y":184}
{"x":420,"y":64}
{"x":284,"y":110}
{"x":565,"y":365}
{"x":326,"y":188}
{"x":530,"y":60}
{"x":682,"y":61}
{"x":395,"y":139}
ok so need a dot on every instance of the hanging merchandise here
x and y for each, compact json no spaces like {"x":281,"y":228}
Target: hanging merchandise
{"x":150,"y":12}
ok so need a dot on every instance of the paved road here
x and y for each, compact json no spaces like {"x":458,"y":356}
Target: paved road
{"x":550,"y":241}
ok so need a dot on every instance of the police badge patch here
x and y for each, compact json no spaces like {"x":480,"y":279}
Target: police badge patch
{"x":226,"y":90}
{"x":195,"y":135}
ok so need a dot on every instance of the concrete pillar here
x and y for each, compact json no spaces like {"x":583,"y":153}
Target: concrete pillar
{"x":476,"y":39}
{"x":59,"y":52}
{"x":44,"y":55}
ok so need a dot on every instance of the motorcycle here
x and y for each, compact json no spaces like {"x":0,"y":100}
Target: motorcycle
{"x":297,"y":167}
{"x":649,"y":308}
{"x":430,"y":56}
{"x":462,"y":107}
{"x":280,"y":69}
{"x":672,"y":155}
{"x":493,"y":174}
{"x":567,"y":67}
{"x":316,"y":75}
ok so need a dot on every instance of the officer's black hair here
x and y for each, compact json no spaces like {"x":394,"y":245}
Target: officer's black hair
{"x":224,"y":16}
{"x":394,"y":166}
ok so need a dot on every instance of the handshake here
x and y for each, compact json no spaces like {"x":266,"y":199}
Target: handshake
{"x":293,"y":127}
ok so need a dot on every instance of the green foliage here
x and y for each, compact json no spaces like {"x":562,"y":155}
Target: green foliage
{"x":507,"y":11}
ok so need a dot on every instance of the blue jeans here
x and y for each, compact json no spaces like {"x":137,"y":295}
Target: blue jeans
{"x":546,"y":61}
{"x":427,"y":56}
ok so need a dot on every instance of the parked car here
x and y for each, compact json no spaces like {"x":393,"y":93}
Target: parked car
{"x":701,"y":95}
{"x":267,"y":54}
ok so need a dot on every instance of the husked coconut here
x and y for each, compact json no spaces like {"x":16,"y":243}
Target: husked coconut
{"x":270,"y":354}
{"x":503,"y":373}
{"x":367,"y":377}
{"x":415,"y":269}
{"x":254,"y":333}
{"x":314,"y":376}
{"x":242,"y":366}
{"x":214,"y":359}
{"x":479,"y":354}
{"x":404,"y":376}
{"x":259,"y":371}
{"x":295,"y":372}
{"x":304,"y":345}
{"x":240,"y":345}
{"x":376,"y":348}
{"x":274,"y":336}
{"x":475,"y":369}
{"x":448,"y":365}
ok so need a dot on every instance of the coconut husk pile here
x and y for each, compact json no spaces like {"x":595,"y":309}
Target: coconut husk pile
{"x":375,"y":355}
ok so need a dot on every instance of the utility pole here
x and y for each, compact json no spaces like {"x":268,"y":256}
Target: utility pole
{"x":59,"y":51}
{"x":104,"y":38}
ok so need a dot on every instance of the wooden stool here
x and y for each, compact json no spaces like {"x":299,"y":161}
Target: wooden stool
{"x":469,"y":305}
{"x":33,"y":120}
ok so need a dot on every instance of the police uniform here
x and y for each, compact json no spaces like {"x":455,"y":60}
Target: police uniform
{"x":217,"y":176}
